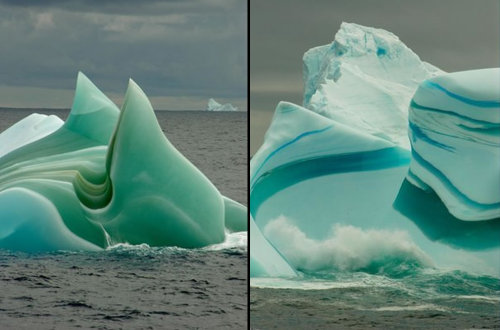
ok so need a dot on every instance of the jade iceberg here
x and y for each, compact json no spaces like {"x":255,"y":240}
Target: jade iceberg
{"x":390,"y":166}
{"x":104,"y":177}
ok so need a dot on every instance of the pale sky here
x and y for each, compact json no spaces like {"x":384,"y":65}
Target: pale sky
{"x":454,"y":35}
{"x":180,"y":52}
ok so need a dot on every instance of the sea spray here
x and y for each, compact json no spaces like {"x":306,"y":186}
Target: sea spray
{"x":348,"y":248}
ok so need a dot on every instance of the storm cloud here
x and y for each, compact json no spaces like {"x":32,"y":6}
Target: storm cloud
{"x":178,"y":51}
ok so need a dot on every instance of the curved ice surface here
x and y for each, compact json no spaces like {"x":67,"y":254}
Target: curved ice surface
{"x":337,"y":169}
{"x":454,"y":129}
{"x":105,"y":177}
{"x":27,"y":130}
{"x":216,"y":106}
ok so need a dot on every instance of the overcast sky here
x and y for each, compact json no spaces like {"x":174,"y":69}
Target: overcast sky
{"x":451,"y":34}
{"x":180,"y":52}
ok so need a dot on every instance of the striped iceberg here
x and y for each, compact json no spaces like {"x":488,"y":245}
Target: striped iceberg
{"x":372,"y":173}
{"x":454,"y":129}
{"x":104,"y":177}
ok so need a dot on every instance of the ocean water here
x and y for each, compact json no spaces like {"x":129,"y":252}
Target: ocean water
{"x":417,"y":298}
{"x":139,"y":287}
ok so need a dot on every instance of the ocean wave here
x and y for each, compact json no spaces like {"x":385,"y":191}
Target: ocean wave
{"x":307,"y":283}
{"x":348,"y":248}
{"x":235,"y":240}
{"x":424,"y":307}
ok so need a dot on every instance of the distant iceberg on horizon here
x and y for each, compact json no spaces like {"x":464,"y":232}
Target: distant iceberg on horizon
{"x":105,"y":177}
{"x":390,"y":165}
{"x":216,"y":106}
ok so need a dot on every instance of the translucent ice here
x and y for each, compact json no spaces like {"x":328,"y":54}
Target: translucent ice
{"x":330,"y":187}
{"x":29,"y":129}
{"x":105,"y":177}
{"x":455,"y":135}
{"x":216,"y":106}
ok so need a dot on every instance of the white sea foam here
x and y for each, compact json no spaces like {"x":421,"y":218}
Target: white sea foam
{"x":347,"y":248}
{"x":423,"y":307}
{"x":281,"y":283}
{"x":233,"y":240}
{"x":493,"y":300}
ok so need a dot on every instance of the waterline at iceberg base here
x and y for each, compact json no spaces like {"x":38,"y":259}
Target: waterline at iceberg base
{"x":386,"y":178}
{"x":105,"y":177}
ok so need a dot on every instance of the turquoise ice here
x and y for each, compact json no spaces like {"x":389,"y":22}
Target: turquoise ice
{"x":454,"y":128}
{"x":339,"y":186}
{"x":104,"y":177}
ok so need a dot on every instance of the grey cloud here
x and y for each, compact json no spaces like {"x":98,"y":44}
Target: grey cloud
{"x":128,"y":7}
{"x":183,"y":51}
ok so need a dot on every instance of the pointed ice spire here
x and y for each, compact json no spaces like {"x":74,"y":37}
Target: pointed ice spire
{"x":160,"y":198}
{"x":93,"y":114}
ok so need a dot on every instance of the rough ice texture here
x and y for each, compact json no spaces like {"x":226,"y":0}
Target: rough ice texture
{"x":216,"y":106}
{"x":371,"y":63}
{"x":342,"y":160}
{"x":104,"y":177}
{"x":454,"y":129}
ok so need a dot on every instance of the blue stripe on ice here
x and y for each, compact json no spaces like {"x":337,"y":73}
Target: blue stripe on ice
{"x":449,"y":185}
{"x":283,"y":146}
{"x":417,"y":133}
{"x":415,"y":105}
{"x":292,"y":173}
{"x":482,"y":104}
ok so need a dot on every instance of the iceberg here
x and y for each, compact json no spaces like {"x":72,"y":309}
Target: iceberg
{"x":374,"y":171}
{"x":105,"y":177}
{"x":370,"y":61}
{"x":216,"y":106}
{"x":454,"y":129}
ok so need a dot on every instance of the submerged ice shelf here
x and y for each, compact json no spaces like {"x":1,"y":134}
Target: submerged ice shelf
{"x":338,"y":186}
{"x":104,"y":177}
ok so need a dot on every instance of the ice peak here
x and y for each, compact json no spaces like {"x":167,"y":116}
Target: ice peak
{"x":370,"y":62}
{"x":357,"y":40}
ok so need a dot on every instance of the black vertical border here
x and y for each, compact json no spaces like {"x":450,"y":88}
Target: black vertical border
{"x":248,"y":164}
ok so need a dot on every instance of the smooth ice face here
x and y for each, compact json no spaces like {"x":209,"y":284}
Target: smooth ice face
{"x":330,"y":187}
{"x":27,"y":130}
{"x":371,"y":63}
{"x":265,"y":260}
{"x":216,"y":106}
{"x":454,"y":129}
{"x":106,"y":177}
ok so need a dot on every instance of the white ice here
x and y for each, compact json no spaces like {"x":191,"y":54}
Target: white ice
{"x":216,"y":106}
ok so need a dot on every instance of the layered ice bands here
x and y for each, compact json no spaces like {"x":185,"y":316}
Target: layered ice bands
{"x":330,"y":187}
{"x":103,"y":177}
{"x":454,"y":129}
